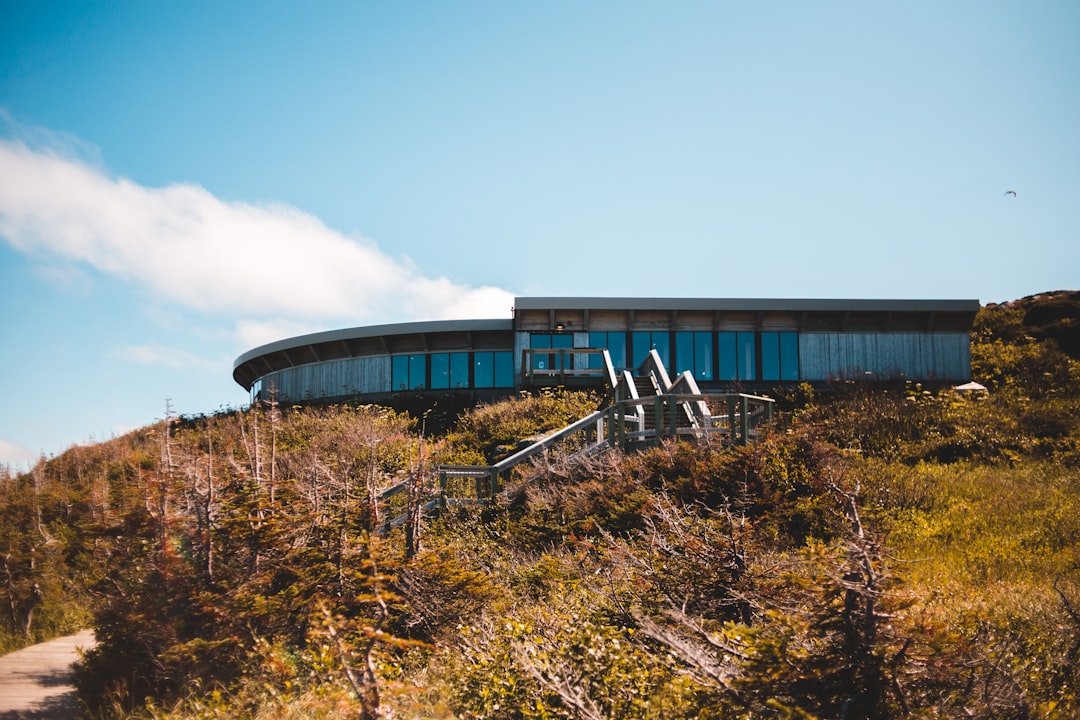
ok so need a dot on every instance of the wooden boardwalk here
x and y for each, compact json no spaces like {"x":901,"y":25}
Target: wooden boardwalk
{"x":35,"y":682}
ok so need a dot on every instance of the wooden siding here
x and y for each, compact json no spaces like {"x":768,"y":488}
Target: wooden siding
{"x":923,"y":356}
{"x":521,"y":342}
{"x":337,"y":378}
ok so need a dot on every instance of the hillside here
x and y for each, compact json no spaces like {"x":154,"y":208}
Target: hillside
{"x":884,"y":551}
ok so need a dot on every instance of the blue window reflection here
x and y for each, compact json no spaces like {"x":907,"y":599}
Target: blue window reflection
{"x":408,"y":372}
{"x":552,"y":361}
{"x":614,"y":342}
{"x":693,"y":352}
{"x":789,"y":356}
{"x":504,"y":369}
{"x":643,"y":341}
{"x":449,"y":370}
{"x":726,"y":346}
{"x":770,"y":356}
{"x":493,"y":369}
{"x":747,"y":365}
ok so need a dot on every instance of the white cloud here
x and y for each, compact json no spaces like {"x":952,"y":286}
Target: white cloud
{"x":239,"y":259}
{"x":17,"y":456}
{"x":253,"y":333}
{"x":161,"y":356}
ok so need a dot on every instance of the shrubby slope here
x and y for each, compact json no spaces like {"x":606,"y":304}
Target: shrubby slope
{"x":882,"y":552}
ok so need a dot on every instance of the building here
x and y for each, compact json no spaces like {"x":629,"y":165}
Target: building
{"x":725,"y":344}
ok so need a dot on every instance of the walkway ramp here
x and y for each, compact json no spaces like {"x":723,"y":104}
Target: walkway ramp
{"x":36,"y":683}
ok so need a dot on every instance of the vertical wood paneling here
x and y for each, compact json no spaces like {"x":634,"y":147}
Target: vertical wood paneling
{"x":336,"y":378}
{"x":833,"y":356}
{"x":521,"y":342}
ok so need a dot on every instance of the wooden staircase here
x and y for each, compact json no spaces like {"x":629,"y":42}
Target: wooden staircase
{"x":646,"y":408}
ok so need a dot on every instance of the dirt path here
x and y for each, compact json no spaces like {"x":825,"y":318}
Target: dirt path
{"x":35,"y":682}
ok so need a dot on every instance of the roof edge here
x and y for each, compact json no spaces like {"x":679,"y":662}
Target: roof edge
{"x":364,"y":331}
{"x":744,"y":304}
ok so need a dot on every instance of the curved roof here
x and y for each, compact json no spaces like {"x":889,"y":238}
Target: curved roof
{"x":368,"y":340}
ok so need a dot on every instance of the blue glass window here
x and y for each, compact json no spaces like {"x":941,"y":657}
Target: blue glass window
{"x":459,"y":370}
{"x":504,"y":369}
{"x":729,"y":366}
{"x":544,"y":341}
{"x":399,"y":372}
{"x":770,"y":356}
{"x":417,"y":372}
{"x":789,"y":356}
{"x":693,"y":352}
{"x":408,"y":372}
{"x":449,"y":370}
{"x":643,"y":341}
{"x":703,"y":356}
{"x":483,"y":370}
{"x":746,"y":360}
{"x":615,"y":342}
{"x":493,"y":369}
{"x":440,"y":371}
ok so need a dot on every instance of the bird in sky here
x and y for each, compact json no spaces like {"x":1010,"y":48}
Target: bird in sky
{"x":1011,"y":192}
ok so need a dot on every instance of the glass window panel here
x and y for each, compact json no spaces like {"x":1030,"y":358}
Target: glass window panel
{"x":641,"y":343}
{"x":745,"y":341}
{"x":616,"y":345}
{"x":597,"y":340}
{"x":562,"y":342}
{"x":417,"y":371}
{"x":615,"y":342}
{"x":399,"y":372}
{"x":483,"y":370}
{"x":459,"y":370}
{"x":684,"y":353}
{"x":729,"y":366}
{"x":770,"y":356}
{"x":544,"y":361}
{"x":504,"y":369}
{"x":644,"y":341}
{"x":440,"y":371}
{"x":661,"y":343}
{"x":789,"y":356}
{"x":703,"y":364}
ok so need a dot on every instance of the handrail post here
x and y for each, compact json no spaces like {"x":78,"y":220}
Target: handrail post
{"x":745,"y":418}
{"x":731,"y":420}
{"x":658,"y":418}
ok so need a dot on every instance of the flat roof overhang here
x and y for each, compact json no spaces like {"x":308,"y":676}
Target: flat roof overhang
{"x":804,"y":315}
{"x":744,"y":304}
{"x":365,"y":341}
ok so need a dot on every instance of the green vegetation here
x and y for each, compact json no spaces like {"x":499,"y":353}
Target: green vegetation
{"x":882,"y":552}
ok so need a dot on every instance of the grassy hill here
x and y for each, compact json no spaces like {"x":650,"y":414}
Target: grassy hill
{"x":884,"y":551}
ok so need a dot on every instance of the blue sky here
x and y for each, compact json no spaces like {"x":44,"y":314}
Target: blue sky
{"x":180,"y":182}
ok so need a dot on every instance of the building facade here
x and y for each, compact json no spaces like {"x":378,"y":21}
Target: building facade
{"x":724,"y":343}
